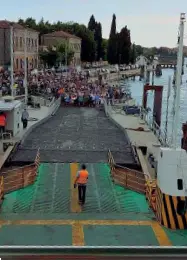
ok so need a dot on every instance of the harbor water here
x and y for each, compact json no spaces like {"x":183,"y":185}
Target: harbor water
{"x":137,"y":92}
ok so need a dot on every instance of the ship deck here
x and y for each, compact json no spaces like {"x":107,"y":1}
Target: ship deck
{"x":48,"y":213}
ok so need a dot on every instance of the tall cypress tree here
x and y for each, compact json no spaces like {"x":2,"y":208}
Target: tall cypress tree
{"x":92,"y":24}
{"x":124,"y":49}
{"x":112,"y":43}
{"x":98,"y":39}
{"x":92,"y":27}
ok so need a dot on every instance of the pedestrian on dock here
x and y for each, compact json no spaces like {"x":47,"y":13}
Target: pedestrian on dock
{"x":81,"y":181}
{"x":25,"y":118}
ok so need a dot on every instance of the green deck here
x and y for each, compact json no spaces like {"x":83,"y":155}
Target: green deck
{"x":44,"y":213}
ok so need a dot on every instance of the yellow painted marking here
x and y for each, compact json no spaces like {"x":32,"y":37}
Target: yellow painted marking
{"x":77,"y":227}
{"x":171,"y":217}
{"x":161,"y":235}
{"x":179,"y":218}
{"x":73,"y":222}
{"x":77,"y":234}
{"x":75,"y":207}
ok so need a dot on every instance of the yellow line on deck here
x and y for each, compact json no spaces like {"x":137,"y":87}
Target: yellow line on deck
{"x":77,"y":234}
{"x":75,"y":222}
{"x":75,"y":207}
{"x":161,"y":235}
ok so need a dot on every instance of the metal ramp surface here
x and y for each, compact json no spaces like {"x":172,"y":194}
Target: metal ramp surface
{"x":47,"y":213}
{"x":76,"y":135}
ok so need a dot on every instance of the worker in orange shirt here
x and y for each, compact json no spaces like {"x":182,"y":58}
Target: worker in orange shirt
{"x":81,"y":180}
{"x":2,"y":122}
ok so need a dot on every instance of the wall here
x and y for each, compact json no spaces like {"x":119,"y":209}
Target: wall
{"x":32,"y":48}
{"x":4,"y":46}
{"x":73,"y":43}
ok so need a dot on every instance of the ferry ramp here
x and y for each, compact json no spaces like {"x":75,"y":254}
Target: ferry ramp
{"x":77,"y":135}
{"x":48,"y":213}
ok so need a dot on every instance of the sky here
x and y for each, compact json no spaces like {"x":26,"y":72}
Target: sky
{"x":152,"y":23}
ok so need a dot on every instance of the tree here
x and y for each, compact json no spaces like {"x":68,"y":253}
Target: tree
{"x":133,"y":54}
{"x":104,"y":49}
{"x":92,"y":23}
{"x":88,"y":46}
{"x":63,"y":50}
{"x":49,"y":57}
{"x":112,"y":43}
{"x":98,"y":39}
{"x":124,"y":46}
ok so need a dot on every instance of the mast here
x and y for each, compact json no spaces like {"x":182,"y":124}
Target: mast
{"x":12,"y":58}
{"x":167,"y":109}
{"x":178,"y":78}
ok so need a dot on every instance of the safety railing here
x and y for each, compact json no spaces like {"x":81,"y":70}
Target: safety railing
{"x":93,"y":252}
{"x":129,"y":178}
{"x":160,"y":134}
{"x":20,"y":177}
{"x":151,"y":193}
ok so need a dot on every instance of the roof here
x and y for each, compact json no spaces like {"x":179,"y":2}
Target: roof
{"x":8,"y":106}
{"x":4,"y":24}
{"x":61,"y":34}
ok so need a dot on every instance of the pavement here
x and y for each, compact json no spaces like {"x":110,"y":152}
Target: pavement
{"x":77,"y":135}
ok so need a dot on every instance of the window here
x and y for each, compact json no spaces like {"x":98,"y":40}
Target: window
{"x":17,"y":63}
{"x":180,"y":184}
{"x":21,"y":64}
{"x":181,"y":207}
{"x":21,"y":42}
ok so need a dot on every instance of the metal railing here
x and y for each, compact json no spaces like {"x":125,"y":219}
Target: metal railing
{"x":126,"y":177}
{"x":159,"y":133}
{"x":94,"y":252}
{"x":17,"y":178}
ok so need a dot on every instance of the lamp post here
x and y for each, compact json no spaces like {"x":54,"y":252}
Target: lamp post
{"x":66,"y":57}
{"x":25,"y":66}
{"x":12,"y":58}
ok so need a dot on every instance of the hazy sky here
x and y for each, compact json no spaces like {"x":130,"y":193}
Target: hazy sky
{"x":152,"y":23}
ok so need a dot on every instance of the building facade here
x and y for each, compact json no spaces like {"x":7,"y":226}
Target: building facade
{"x":19,"y":35}
{"x":73,"y":42}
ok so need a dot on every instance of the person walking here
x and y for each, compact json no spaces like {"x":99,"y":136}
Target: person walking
{"x":24,"y":118}
{"x":81,"y":180}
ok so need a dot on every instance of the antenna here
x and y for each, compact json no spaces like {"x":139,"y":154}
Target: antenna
{"x":178,"y":78}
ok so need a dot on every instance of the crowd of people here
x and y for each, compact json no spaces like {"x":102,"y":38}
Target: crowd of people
{"x":75,"y":88}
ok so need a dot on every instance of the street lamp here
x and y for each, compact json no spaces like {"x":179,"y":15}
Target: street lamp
{"x":25,"y":66}
{"x":66,"y":57}
{"x":12,"y":58}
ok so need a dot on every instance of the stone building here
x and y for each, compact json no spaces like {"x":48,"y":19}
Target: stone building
{"x":55,"y":38}
{"x":19,"y":44}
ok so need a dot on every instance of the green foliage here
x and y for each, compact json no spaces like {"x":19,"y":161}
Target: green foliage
{"x":88,"y":46}
{"x":96,"y":29}
{"x":49,"y":57}
{"x":119,"y":45}
{"x":57,"y":54}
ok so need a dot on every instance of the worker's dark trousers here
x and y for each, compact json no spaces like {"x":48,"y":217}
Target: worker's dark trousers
{"x":25,"y":122}
{"x":82,"y":193}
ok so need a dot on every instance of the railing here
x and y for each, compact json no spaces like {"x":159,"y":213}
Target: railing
{"x":93,"y":252}
{"x":151,"y":194}
{"x":129,"y":178}
{"x":159,"y":133}
{"x":20,"y":177}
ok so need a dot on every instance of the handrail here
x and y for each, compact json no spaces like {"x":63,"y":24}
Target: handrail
{"x":160,"y":133}
{"x":20,"y":177}
{"x":170,"y":252}
{"x":125,"y":168}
